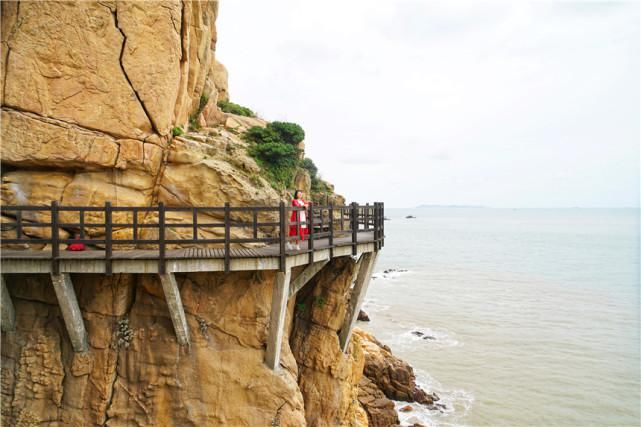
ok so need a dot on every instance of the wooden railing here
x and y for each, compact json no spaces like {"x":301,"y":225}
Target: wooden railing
{"x":148,"y":227}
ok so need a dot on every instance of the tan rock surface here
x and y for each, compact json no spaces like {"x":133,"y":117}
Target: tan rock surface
{"x":148,"y":379}
{"x":380,"y":410}
{"x":91,"y":92}
{"x":328,"y":379}
{"x":30,"y":140}
{"x":393,"y":376}
{"x":64,"y":62}
{"x":151,"y":56}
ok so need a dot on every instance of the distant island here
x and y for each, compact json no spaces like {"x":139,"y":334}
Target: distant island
{"x":448,"y":206}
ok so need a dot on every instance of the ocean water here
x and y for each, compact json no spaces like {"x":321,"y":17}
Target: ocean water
{"x":532,"y":314}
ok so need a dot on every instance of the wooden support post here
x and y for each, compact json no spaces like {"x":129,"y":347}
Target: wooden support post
{"x":71,"y":314}
{"x":356,"y":299}
{"x":175,"y":306}
{"x":8,"y":320}
{"x":280,"y":296}
{"x":304,"y":277}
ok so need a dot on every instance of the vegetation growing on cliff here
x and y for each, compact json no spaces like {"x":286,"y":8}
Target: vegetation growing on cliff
{"x":275,"y":149}
{"x":233,"y":108}
{"x":318,"y":185}
{"x":193,"y":117}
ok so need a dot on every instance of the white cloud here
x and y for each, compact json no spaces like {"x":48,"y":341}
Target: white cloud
{"x":531,"y":103}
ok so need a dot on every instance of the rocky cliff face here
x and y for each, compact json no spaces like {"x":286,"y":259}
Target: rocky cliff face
{"x":92,"y":92}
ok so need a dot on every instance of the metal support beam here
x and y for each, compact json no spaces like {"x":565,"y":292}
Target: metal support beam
{"x":280,"y":296}
{"x":304,"y":277}
{"x":8,"y":321}
{"x":356,"y":299}
{"x":71,"y":314}
{"x":175,"y":306}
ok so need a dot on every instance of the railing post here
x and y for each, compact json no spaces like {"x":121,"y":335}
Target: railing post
{"x":18,"y":224}
{"x":194,"y":220}
{"x":227,"y":237}
{"x":310,"y":227}
{"x":376,"y":225}
{"x":81,"y":223}
{"x":55,"y":244}
{"x":108,"y":245}
{"x":161,"y":238}
{"x":366,"y":216}
{"x":255,"y":225}
{"x":135,"y":224}
{"x":382,"y":232}
{"x":331,"y":231}
{"x":283,"y":232}
{"x":354,"y":227}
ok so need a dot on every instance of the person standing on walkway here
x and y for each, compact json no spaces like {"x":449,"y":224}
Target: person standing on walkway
{"x":299,"y":220}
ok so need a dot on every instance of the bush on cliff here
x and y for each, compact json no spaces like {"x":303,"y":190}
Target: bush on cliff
{"x":278,"y":162}
{"x":275,"y":149}
{"x":290,"y":133}
{"x":261,"y":135}
{"x":232,"y":108}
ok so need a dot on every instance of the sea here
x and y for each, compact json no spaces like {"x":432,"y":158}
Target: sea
{"x":513,"y":317}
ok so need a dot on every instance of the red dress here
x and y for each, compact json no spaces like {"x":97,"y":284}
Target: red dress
{"x":300,"y":230}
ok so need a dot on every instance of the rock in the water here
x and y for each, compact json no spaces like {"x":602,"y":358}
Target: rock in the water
{"x":406,"y":408}
{"x":362,"y":316}
{"x":380,"y":410}
{"x":393,"y":376}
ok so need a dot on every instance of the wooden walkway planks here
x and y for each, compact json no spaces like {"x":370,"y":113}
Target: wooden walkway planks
{"x":184,"y":253}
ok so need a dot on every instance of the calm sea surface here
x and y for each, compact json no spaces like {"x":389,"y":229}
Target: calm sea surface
{"x":534,"y":313}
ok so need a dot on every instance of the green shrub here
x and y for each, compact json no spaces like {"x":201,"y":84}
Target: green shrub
{"x":261,"y":135}
{"x":309,"y":166}
{"x":278,"y":162}
{"x":232,"y":108}
{"x":177,"y":131}
{"x":290,"y":133}
{"x":275,"y":154}
{"x":319,"y":301}
{"x":193,"y":117}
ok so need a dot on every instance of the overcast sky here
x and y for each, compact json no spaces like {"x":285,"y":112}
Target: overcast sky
{"x":503,"y":104}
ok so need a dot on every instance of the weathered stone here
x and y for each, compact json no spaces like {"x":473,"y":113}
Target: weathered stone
{"x":380,"y":410}
{"x":151,"y":56}
{"x":362,"y":316}
{"x":211,"y":182}
{"x":29,"y":140}
{"x":393,"y":376}
{"x":328,"y":378}
{"x":220,"y":78}
{"x":64,"y":62}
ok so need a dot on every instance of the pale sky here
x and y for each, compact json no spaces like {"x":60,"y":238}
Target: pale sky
{"x":502,"y":104}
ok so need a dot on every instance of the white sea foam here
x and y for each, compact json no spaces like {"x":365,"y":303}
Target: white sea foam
{"x":457,"y":403}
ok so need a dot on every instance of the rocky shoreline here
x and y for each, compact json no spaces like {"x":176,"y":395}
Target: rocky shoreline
{"x":386,"y":378}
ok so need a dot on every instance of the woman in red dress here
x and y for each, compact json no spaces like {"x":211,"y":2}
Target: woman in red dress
{"x":300,"y":217}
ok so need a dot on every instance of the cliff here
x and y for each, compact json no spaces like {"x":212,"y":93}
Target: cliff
{"x":118,"y":101}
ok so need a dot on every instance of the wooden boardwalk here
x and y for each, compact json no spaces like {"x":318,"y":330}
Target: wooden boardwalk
{"x":183,"y":260}
{"x":334,"y":231}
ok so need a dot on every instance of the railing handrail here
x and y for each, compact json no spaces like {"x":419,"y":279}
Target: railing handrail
{"x":320,"y":222}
